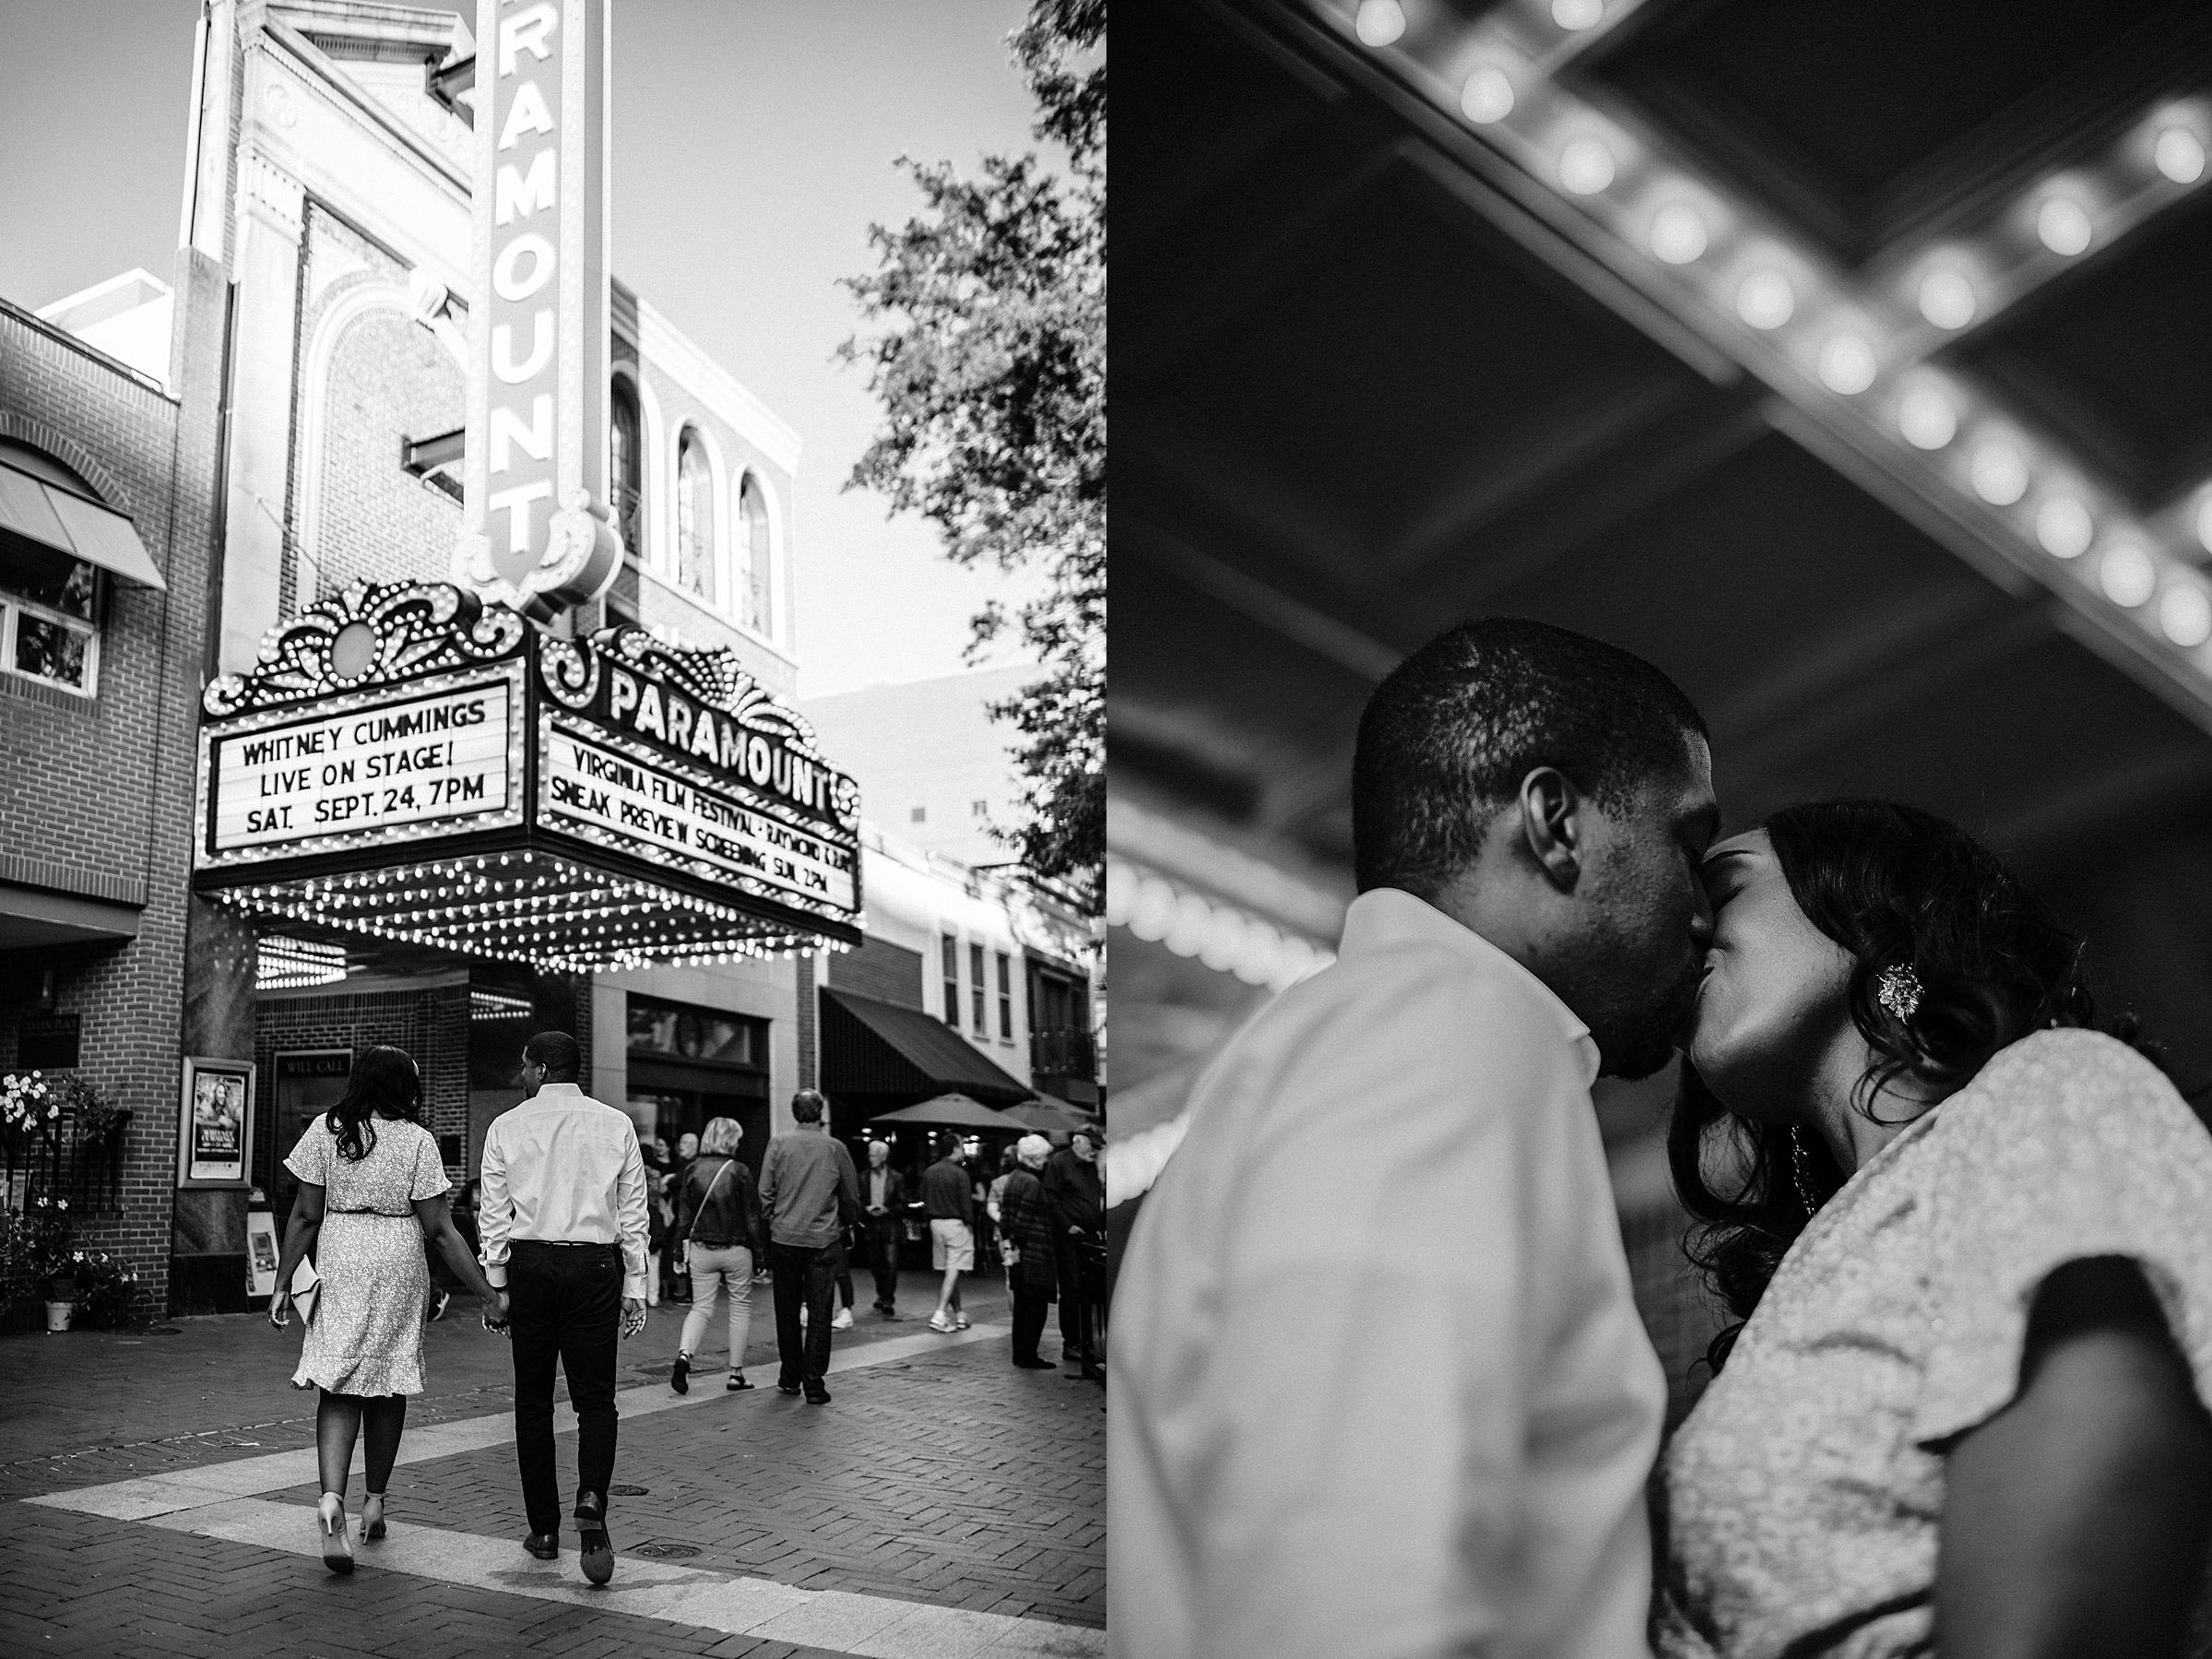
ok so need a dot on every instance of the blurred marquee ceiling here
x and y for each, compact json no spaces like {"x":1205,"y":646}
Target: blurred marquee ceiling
{"x":1853,"y":363}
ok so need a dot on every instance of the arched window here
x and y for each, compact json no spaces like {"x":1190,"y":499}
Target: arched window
{"x":694,"y":519}
{"x":752,"y":557}
{"x":625,"y":467}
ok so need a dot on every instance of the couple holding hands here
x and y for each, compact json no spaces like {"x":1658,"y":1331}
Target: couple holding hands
{"x":564,"y":1223}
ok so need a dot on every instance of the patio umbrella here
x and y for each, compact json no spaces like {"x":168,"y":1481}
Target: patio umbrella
{"x":1049,"y":1117}
{"x":950,"y":1111}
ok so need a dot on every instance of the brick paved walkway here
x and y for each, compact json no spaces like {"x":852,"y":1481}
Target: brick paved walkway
{"x":944,"y":1502}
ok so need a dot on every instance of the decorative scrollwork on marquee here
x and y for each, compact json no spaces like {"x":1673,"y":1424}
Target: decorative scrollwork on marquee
{"x":716,"y":678}
{"x":366,"y":637}
{"x":571,"y":672}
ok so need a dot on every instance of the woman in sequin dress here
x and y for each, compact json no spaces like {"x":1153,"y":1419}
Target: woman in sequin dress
{"x":1969,"y":1238}
{"x":372,"y":1188}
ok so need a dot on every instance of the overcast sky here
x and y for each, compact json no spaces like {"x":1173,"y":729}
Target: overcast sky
{"x":754,"y":142}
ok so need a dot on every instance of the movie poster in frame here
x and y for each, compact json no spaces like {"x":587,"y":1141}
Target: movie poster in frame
{"x":215,"y":1135}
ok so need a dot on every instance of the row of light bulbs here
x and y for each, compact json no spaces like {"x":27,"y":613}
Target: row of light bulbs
{"x":1843,"y":346}
{"x":1219,"y":934}
{"x":331,"y":901}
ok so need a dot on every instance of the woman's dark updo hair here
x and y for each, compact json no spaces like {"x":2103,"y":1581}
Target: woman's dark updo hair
{"x":385,"y":1084}
{"x":1896,"y":887}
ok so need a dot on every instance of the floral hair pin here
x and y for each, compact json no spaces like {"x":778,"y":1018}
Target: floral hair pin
{"x":1898,"y":990}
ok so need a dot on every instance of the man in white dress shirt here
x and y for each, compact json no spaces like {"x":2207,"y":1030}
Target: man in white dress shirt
{"x":562,"y":1222}
{"x":1379,"y":1391}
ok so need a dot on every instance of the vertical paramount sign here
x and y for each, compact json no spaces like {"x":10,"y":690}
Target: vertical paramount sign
{"x":536,"y":534}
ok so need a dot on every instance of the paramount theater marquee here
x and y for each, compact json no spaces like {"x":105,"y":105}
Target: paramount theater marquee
{"x":408,"y":763}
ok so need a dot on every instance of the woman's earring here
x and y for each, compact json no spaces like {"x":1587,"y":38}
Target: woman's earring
{"x":1898,"y":990}
{"x":1798,"y":1163}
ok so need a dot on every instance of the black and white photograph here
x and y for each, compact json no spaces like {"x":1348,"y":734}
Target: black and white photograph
{"x":552,"y":605}
{"x":1585,"y":1032}
{"x":1660,"y":807}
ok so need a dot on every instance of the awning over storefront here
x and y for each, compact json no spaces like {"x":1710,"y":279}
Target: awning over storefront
{"x":33,"y":920}
{"x":872,"y":1048}
{"x":407,"y":764}
{"x":55,"y":520}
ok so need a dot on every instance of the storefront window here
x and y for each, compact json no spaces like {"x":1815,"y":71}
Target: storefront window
{"x":52,"y":651}
{"x":688,"y":1066}
{"x":696,"y":1033}
{"x":46,"y":628}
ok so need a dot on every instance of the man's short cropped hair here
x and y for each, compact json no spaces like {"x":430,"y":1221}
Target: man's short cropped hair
{"x":807,"y":1104}
{"x":1447,"y":739}
{"x":558,"y":1053}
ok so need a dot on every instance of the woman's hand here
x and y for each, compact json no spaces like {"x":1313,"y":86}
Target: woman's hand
{"x":280,"y":1309}
{"x":495,"y":1314}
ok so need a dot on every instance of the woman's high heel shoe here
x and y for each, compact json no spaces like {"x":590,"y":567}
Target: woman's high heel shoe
{"x":372,"y":1516}
{"x":330,"y":1519}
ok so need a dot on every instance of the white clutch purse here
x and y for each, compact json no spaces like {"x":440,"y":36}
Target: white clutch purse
{"x":307,"y":1290}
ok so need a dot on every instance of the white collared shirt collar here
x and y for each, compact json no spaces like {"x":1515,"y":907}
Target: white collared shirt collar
{"x":1384,"y":916}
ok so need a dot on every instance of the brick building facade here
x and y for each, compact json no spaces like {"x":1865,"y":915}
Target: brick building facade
{"x":93,"y":822}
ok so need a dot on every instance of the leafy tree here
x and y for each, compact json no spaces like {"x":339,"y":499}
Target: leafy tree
{"x":989,"y":357}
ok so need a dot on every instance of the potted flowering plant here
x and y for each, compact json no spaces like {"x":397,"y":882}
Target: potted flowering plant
{"x":105,"y":1287}
{"x":50,"y":1237}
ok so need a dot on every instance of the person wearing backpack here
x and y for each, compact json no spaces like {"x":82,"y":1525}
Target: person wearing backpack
{"x":718,"y":1216}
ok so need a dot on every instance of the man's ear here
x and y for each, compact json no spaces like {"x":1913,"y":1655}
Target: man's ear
{"x":1551,"y":824}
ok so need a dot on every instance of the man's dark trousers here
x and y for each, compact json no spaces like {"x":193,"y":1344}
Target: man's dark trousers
{"x":1074,"y":1283}
{"x":883,"y":1257}
{"x":564,"y":1304}
{"x":1029,"y":1319}
{"x":803,"y":1273}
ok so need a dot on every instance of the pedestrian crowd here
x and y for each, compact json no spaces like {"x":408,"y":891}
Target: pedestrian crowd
{"x":577,"y":1229}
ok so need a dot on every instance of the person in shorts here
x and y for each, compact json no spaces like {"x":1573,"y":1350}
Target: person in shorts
{"x":951,"y":1211}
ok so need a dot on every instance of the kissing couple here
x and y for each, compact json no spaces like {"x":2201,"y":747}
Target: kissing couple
{"x":1380,"y":1390}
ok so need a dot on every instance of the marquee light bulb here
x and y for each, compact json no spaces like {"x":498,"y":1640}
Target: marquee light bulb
{"x":2063,"y":226}
{"x":1585,"y":166}
{"x":2180,"y":155}
{"x":1575,"y":15}
{"x":1378,"y":22}
{"x":1847,"y":363}
{"x":2186,"y":615}
{"x":1926,"y":418}
{"x":1947,"y":297}
{"x":1487,"y":96}
{"x":1765,"y":300}
{"x":2127,"y":575}
{"x":1999,"y":473}
{"x":1678,"y":234}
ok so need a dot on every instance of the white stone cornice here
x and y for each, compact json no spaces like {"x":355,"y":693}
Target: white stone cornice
{"x":665,"y":348}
